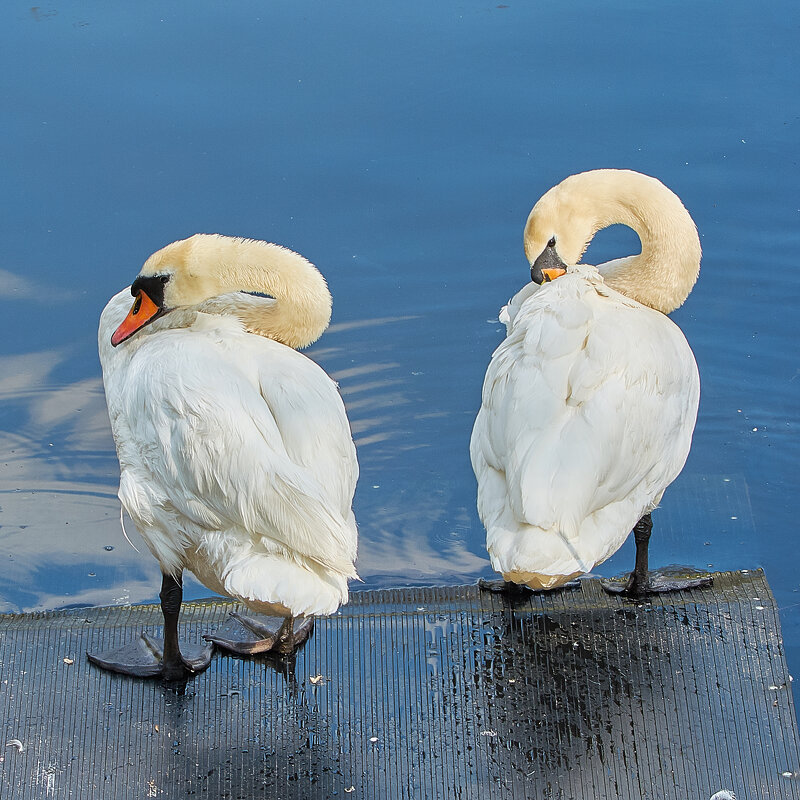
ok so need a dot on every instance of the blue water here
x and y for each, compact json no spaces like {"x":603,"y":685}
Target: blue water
{"x":400,"y":148}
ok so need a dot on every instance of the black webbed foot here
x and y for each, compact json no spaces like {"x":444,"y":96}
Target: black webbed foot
{"x":666,"y":579}
{"x":248,"y":635}
{"x":499,"y":586}
{"x":144,"y":658}
{"x":511,"y":589}
{"x":148,"y":657}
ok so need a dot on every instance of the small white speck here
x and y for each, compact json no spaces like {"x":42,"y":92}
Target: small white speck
{"x":373,"y":738}
{"x":734,"y":517}
{"x":16,"y":743}
{"x":350,"y":790}
{"x":488,"y":733}
{"x":759,"y":608}
{"x":755,"y":429}
{"x":376,"y":486}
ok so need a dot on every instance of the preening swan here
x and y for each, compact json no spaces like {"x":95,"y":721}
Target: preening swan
{"x":589,"y":404}
{"x":235,"y":451}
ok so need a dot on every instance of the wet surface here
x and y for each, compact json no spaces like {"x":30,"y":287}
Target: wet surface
{"x":400,"y":149}
{"x":442,"y":693}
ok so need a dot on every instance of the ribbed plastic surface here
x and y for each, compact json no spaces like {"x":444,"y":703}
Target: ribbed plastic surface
{"x":420,"y":693}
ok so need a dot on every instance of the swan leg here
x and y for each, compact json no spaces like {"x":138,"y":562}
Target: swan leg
{"x":293,"y":633}
{"x":639,"y":582}
{"x":250,"y":635}
{"x":174,"y":665}
{"x":642,"y":582}
{"x":148,"y":656}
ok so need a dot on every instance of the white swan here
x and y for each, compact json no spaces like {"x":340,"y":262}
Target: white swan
{"x":589,"y":404}
{"x":236,"y":456}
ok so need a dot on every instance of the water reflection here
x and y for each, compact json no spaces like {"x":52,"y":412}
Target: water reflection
{"x":56,"y":487}
{"x":413,"y":530}
{"x":16,"y":287}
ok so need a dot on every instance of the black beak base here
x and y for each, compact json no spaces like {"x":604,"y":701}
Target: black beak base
{"x":547,"y":259}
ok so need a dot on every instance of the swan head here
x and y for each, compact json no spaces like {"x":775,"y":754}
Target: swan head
{"x":564,"y":221}
{"x":182,"y":274}
{"x":557,"y":232}
{"x":189,"y":272}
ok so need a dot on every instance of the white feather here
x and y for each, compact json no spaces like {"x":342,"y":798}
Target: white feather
{"x":587,"y":414}
{"x":236,"y":459}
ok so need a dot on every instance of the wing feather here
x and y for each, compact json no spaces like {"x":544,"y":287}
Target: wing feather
{"x":588,"y":405}
{"x":244,"y":433}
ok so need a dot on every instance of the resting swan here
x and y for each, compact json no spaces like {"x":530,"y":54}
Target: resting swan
{"x":589,"y":404}
{"x":235,"y":451}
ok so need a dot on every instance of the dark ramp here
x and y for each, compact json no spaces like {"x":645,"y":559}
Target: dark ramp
{"x":420,"y":693}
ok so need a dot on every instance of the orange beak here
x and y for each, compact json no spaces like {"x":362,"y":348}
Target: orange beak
{"x":551,"y":273}
{"x":142,"y":311}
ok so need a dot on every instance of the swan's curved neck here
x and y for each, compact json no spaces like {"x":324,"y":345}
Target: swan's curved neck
{"x":298,"y":307}
{"x":302,"y":307}
{"x":663,"y":274}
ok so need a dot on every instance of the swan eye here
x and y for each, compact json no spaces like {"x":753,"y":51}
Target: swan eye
{"x":163,"y":278}
{"x":552,"y":242}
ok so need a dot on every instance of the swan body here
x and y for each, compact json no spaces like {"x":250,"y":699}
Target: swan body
{"x":589,"y":404}
{"x":235,"y":451}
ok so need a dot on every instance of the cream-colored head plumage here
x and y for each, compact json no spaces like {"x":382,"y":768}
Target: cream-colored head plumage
{"x":572,"y":212}
{"x":205,"y":269}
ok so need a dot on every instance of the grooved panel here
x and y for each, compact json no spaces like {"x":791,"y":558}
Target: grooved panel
{"x":419,"y":693}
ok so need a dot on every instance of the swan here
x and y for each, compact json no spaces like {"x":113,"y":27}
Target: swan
{"x":236,"y":456}
{"x":589,"y":404}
